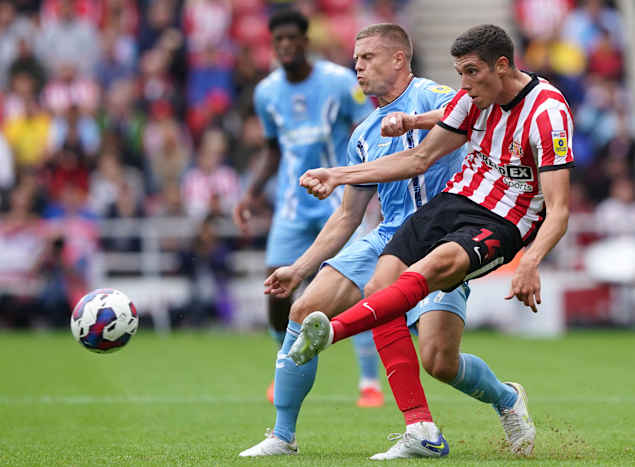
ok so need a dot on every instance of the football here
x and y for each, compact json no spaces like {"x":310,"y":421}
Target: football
{"x":104,"y":320}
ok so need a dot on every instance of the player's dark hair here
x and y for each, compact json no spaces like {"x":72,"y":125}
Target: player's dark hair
{"x":393,"y":32}
{"x":488,"y":41}
{"x":289,"y":16}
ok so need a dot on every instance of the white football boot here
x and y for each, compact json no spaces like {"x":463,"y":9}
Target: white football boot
{"x":520,"y":430}
{"x":316,"y":335}
{"x":271,"y":446}
{"x":422,"y":439}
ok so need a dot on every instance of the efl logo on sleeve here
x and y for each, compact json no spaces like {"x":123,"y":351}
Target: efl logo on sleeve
{"x":559,"y":138}
{"x":440,"y":89}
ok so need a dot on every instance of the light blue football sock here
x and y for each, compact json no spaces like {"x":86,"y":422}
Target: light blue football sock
{"x":291,"y":385}
{"x":367,"y":357}
{"x":278,"y":336}
{"x":477,"y":380}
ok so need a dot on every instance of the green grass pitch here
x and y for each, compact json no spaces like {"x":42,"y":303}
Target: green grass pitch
{"x":198,"y":399}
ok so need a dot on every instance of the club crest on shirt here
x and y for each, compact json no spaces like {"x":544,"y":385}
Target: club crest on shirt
{"x":299,"y":107}
{"x":516,"y":149}
{"x":559,"y":139}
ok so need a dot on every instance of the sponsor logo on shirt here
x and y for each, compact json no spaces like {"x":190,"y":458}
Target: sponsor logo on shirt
{"x":515,"y":176}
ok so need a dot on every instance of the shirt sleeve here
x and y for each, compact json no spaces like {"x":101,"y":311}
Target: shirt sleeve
{"x":551,"y":136}
{"x":265,"y":114}
{"x":439,"y":95}
{"x":457,"y":112}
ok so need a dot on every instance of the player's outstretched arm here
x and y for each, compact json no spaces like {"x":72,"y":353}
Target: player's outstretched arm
{"x":267,"y":166}
{"x":399,"y":166}
{"x":335,"y":233}
{"x":526,"y":280}
{"x":398,"y":123}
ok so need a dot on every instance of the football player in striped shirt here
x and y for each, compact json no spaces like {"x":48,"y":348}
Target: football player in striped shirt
{"x":512,"y":192}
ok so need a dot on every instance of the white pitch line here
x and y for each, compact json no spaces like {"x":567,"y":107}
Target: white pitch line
{"x":210,"y":399}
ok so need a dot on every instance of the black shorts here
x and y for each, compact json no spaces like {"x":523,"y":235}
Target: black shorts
{"x":489,"y":240}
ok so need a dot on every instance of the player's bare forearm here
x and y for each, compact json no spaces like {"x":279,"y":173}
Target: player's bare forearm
{"x":398,"y":123}
{"x":427,"y":120}
{"x":266,"y":168}
{"x":555,"y":186}
{"x":336,"y":232}
{"x":404,"y":164}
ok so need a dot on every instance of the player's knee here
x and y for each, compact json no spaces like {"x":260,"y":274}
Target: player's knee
{"x":374,"y":285}
{"x":439,"y":362}
{"x":301,"y":308}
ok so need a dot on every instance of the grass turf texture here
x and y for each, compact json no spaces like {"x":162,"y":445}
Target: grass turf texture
{"x":199,"y":399}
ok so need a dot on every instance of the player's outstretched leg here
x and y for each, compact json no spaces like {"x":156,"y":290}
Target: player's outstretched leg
{"x":316,"y":334}
{"x":420,"y":440}
{"x":520,"y":430}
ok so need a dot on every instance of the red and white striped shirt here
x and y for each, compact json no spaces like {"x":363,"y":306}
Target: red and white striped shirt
{"x":508,"y":146}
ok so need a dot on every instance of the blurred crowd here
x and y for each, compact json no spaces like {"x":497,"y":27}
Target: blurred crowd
{"x":581,"y":46}
{"x":120,"y":109}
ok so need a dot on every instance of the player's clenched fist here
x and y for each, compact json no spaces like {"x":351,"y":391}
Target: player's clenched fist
{"x":318,"y":182}
{"x":396,"y":124}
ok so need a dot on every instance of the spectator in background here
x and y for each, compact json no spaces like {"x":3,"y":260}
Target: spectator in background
{"x":605,"y":58}
{"x":7,"y":171}
{"x":53,"y":298}
{"x":29,"y":134}
{"x":106,"y":180}
{"x":211,"y":187}
{"x":122,"y":123}
{"x":207,"y":265}
{"x":27,"y":64}
{"x":118,"y":58}
{"x":127,"y":236}
{"x":76,"y":130}
{"x":68,"y":39}
{"x":616,"y":215}
{"x":166,"y":145}
{"x":69,"y":88}
{"x":168,"y":202}
{"x":21,"y":241}
{"x":13,"y":30}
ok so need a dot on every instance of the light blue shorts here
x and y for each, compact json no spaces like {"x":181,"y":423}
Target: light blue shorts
{"x":288,"y":240}
{"x":357,"y":262}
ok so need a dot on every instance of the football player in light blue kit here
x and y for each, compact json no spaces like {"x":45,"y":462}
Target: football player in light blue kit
{"x":307,"y":111}
{"x":383,"y":54}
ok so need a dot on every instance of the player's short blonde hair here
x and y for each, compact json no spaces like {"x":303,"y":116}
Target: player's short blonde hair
{"x":393,"y":33}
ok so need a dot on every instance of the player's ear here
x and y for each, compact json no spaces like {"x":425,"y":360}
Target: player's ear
{"x":399,"y":59}
{"x":501,"y":65}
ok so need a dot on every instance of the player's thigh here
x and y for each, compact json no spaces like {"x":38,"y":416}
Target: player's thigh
{"x":444,"y":267}
{"x":388,"y":270}
{"x":329,"y":292}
